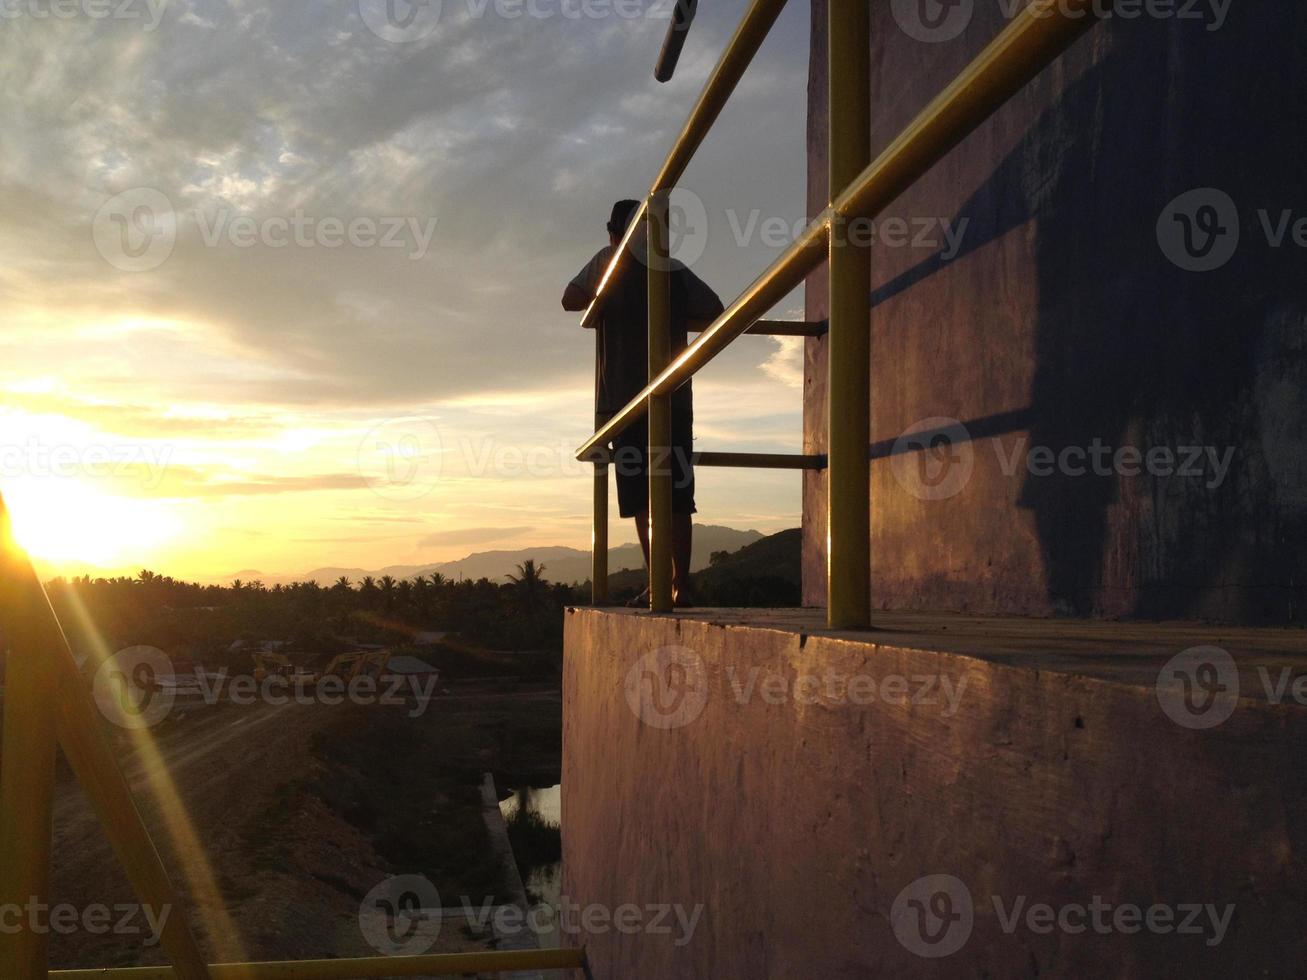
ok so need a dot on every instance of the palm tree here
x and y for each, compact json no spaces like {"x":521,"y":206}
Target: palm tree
{"x":368,"y":588}
{"x":530,"y":585}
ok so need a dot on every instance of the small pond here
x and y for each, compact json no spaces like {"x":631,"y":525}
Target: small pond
{"x":534,"y":819}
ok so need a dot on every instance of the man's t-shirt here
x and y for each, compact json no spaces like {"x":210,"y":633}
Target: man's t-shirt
{"x":623,"y":368}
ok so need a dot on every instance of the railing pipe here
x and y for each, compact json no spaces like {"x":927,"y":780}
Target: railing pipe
{"x":761,"y":461}
{"x":682,"y":18}
{"x":599,"y":529}
{"x":660,"y":407}
{"x":599,"y":538}
{"x":427,"y":965}
{"x":776,"y":328}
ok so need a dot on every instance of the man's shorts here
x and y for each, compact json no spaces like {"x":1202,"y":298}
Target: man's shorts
{"x":630,"y":462}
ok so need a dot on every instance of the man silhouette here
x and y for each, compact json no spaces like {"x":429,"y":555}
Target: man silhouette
{"x":623,"y":372}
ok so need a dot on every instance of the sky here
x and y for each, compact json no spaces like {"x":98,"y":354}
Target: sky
{"x":280,"y":280}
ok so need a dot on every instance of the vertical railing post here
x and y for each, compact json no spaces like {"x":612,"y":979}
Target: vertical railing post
{"x":660,"y":406}
{"x":27,"y":773}
{"x":599,"y":541}
{"x":848,"y":350}
{"x":599,"y":533}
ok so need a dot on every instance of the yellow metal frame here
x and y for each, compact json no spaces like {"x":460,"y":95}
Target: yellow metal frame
{"x":435,"y":964}
{"x":48,"y":704}
{"x":658,"y":261}
{"x":859,"y":189}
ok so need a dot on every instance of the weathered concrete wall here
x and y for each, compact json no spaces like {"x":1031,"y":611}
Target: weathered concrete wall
{"x":801,"y":826}
{"x":1060,"y":322}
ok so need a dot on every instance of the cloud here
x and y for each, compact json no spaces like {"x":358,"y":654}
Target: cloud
{"x":265,"y":111}
{"x":285,"y":484}
{"x":185,"y":482}
{"x":786,"y":364}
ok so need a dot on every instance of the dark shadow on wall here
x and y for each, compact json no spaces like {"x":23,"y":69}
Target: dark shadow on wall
{"x":1132,"y":349}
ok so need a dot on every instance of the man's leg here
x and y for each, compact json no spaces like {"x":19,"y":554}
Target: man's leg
{"x":642,"y":532}
{"x":682,"y":540}
{"x":633,"y":493}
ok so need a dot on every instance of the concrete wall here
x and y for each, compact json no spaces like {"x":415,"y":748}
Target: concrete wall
{"x":802,"y":828}
{"x":1062,"y":324}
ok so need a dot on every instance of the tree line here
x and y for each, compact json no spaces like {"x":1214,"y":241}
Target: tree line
{"x":205,"y":621}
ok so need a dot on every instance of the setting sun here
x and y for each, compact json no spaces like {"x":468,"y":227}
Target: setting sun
{"x":67,"y":521}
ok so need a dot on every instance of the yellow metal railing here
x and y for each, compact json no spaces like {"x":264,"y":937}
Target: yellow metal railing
{"x":431,"y":965}
{"x":48,"y":705}
{"x":860,"y":188}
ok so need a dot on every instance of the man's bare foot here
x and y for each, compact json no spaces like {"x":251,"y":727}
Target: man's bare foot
{"x":639,"y":602}
{"x":683,"y":598}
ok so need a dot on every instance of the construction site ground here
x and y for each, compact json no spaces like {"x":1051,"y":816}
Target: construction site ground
{"x":275,"y":821}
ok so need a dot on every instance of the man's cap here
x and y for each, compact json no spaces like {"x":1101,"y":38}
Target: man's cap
{"x":621,"y":216}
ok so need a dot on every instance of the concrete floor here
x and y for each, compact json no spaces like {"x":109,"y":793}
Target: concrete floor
{"x":1126,"y":652}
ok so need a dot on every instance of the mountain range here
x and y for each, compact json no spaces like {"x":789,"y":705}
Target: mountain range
{"x":561,"y":564}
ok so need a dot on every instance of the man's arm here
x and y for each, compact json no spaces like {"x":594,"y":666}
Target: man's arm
{"x":575,"y":298}
{"x":702,"y":305}
{"x":580,"y":292}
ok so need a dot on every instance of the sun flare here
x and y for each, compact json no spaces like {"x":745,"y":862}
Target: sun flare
{"x":68,"y":520}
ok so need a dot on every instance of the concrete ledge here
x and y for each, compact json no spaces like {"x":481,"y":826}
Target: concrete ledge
{"x":710,"y":762}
